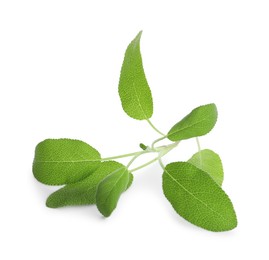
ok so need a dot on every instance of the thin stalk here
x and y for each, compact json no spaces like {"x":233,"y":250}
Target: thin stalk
{"x":157,"y":140}
{"x":123,"y":155}
{"x":155,"y":128}
{"x":161,"y":163}
{"x":198,"y":144}
{"x":199,"y":149}
{"x":145,"y":164}
{"x":161,"y":154}
{"x":133,"y":159}
{"x":136,"y":154}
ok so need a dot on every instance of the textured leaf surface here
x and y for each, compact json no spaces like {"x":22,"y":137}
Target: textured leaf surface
{"x":199,"y":122}
{"x":84,"y":192}
{"x":209,"y":162}
{"x":109,"y":191}
{"x":196,"y":197}
{"x":63,"y":161}
{"x":134,"y":90}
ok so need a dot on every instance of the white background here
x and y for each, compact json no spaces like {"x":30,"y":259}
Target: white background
{"x":59,"y":71}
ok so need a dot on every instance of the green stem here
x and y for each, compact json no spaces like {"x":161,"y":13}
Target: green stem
{"x":145,"y":164}
{"x":155,"y":128}
{"x":161,"y":154}
{"x":157,"y":140}
{"x":161,"y":163}
{"x":133,"y":154}
{"x":123,"y":156}
{"x":134,"y":158}
{"x":162,"y":150}
{"x":198,"y":144}
{"x":199,"y":149}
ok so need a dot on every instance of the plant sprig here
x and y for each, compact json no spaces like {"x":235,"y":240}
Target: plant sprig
{"x":193,"y":188}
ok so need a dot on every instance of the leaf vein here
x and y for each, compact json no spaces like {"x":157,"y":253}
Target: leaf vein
{"x":185,"y":189}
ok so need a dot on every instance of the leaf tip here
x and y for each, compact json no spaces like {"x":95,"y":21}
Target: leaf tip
{"x":139,"y":34}
{"x":136,"y":40}
{"x":50,"y":203}
{"x":106,"y":214}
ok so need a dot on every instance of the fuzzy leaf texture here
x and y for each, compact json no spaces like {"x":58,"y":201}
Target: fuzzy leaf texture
{"x":84,"y":192}
{"x":134,"y":91}
{"x":109,"y":191}
{"x":197,"y":197}
{"x":209,"y":162}
{"x":63,"y":161}
{"x":199,"y":122}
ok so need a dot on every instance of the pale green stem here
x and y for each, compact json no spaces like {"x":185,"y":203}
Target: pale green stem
{"x":122,"y":156}
{"x":131,"y":154}
{"x":133,"y":159}
{"x":163,"y":150}
{"x":199,"y":149}
{"x":161,"y":163}
{"x":157,"y":140}
{"x":161,"y":154}
{"x":155,"y":128}
{"x":145,"y":164}
{"x":198,"y":144}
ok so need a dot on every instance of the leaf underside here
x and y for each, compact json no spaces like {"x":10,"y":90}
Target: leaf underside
{"x":209,"y":162}
{"x":198,"y":122}
{"x":196,"y":197}
{"x":134,"y":91}
{"x":63,"y":161}
{"x":84,"y":192}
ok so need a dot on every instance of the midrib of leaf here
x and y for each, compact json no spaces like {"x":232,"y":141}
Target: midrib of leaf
{"x":200,"y":158}
{"x":137,"y":97}
{"x":194,"y":195}
{"x":187,"y":127}
{"x":115,"y":171}
{"x":133,"y":76}
{"x":113,"y":185}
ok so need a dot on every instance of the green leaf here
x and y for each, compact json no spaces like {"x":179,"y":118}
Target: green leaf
{"x":143,"y":147}
{"x":130,"y":182}
{"x":84,"y":192}
{"x":134,"y":90}
{"x":199,"y":122}
{"x":110,"y":189}
{"x":197,"y":197}
{"x":209,"y":162}
{"x":63,"y":161}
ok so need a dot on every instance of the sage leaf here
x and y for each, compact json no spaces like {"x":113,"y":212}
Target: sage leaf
{"x":84,"y":192}
{"x":198,"y":122}
{"x":134,"y":90}
{"x":63,"y":161}
{"x":209,"y":162}
{"x":197,"y":197}
{"x":109,"y":191}
{"x":143,"y":147}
